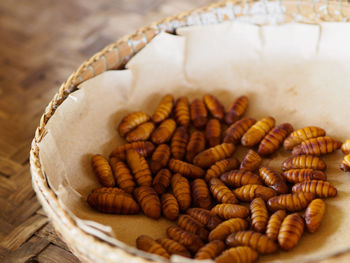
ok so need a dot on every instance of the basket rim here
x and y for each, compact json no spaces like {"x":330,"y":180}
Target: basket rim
{"x":115,"y":56}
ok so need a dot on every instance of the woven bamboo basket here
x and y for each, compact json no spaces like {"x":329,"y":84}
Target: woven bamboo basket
{"x":85,"y":246}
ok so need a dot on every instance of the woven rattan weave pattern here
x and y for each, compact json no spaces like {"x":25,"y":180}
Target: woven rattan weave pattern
{"x":115,"y":56}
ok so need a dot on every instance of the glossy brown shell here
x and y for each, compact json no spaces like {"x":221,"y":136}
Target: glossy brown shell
{"x":188,"y":223}
{"x":149,"y":245}
{"x":291,"y":231}
{"x":179,"y":143}
{"x":258,"y":215}
{"x":320,"y":188}
{"x":182,"y":112}
{"x":317,"y":146}
{"x":199,"y":115}
{"x":345,"y":165}
{"x":182,"y":191}
{"x":191,"y":241}
{"x":314,"y":214}
{"x":170,"y":206}
{"x":235,"y":131}
{"x":131,"y":121}
{"x":141,"y":132}
{"x":186,"y":169}
{"x":211,"y":250}
{"x":274,"y":139}
{"x":236,"y":110}
{"x":290,"y":202}
{"x":205,"y":217}
{"x":201,"y":194}
{"x":163,"y":132}
{"x":345,"y":147}
{"x":274,"y":224}
{"x":228,"y":227}
{"x":259,"y":242}
{"x":221,"y":192}
{"x":228,"y":211}
{"x":139,"y":168}
{"x":164,"y":109}
{"x":196,"y":144}
{"x":257,"y":132}
{"x":213,"y":132}
{"x":303,"y":162}
{"x":273,"y":180}
{"x":251,"y":161}
{"x":238,"y":178}
{"x":161,"y":181}
{"x":214,"y":106}
{"x":240,"y":254}
{"x":160,"y":158}
{"x":248,"y":192}
{"x":299,"y":175}
{"x":221,"y":167}
{"x":300,"y":135}
{"x":174,"y":247}
{"x":149,"y":201}
{"x":122,"y":175}
{"x":219,"y":152}
{"x":102,"y":170}
{"x":142,"y":147}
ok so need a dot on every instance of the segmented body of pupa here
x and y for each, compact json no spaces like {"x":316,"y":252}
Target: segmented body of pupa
{"x":300,"y":175}
{"x":303,"y":162}
{"x":291,"y":231}
{"x":300,"y":135}
{"x":345,"y":165}
{"x":238,"y":178}
{"x":199,"y":115}
{"x":257,"y":132}
{"x":195,"y":145}
{"x":131,"y":121}
{"x":236,"y":110}
{"x":110,"y":190}
{"x":164,"y":109}
{"x":221,"y":192}
{"x":221,"y":167}
{"x":251,"y":161}
{"x":248,"y":192}
{"x":214,"y":106}
{"x":161,"y":181}
{"x":141,"y":132}
{"x":191,"y":241}
{"x":149,"y":245}
{"x":201,"y":194}
{"x":142,"y":147}
{"x":186,"y":169}
{"x":219,"y":152}
{"x":240,"y":254}
{"x":346,"y":147}
{"x":164,"y":131}
{"x":273,"y":180}
{"x":174,"y":247}
{"x":182,"y":112}
{"x":259,"y":215}
{"x":290,"y":202}
{"x":102,"y":170}
{"x":210,"y":250}
{"x":170,"y":206}
{"x":274,"y":224}
{"x":182,"y":191}
{"x":234,"y":133}
{"x":319,"y":188}
{"x":213,"y":132}
{"x":122,"y":175}
{"x":314,"y":214}
{"x":205,"y":217}
{"x":273,"y":140}
{"x":317,"y":146}
{"x":228,"y":227}
{"x":139,"y":168}
{"x":255,"y":240}
{"x":179,"y":143}
{"x":191,"y":225}
{"x":149,"y":201}
{"x":115,"y":203}
{"x":160,"y":158}
{"x":228,"y":211}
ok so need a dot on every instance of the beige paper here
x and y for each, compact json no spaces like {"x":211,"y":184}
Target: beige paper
{"x":294,"y":72}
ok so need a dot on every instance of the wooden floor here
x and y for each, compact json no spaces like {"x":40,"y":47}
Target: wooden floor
{"x":41,"y":43}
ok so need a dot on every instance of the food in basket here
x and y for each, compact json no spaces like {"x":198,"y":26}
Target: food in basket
{"x":213,"y":132}
{"x":314,"y":214}
{"x":290,"y":232}
{"x":164,"y":109}
{"x":258,"y":131}
{"x":273,"y":140}
{"x":131,"y":121}
{"x":251,"y":161}
{"x":221,"y":167}
{"x":203,"y":193}
{"x":300,"y":135}
{"x":258,"y":215}
{"x":317,"y":146}
{"x":236,"y":110}
{"x":214,"y":106}
{"x":274,"y":224}
{"x":346,"y":147}
{"x":199,"y":114}
{"x":345,"y":165}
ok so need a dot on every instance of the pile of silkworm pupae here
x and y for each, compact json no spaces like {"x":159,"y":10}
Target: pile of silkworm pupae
{"x":179,"y":163}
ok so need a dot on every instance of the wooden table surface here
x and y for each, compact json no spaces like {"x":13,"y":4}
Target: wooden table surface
{"x":41,"y":43}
